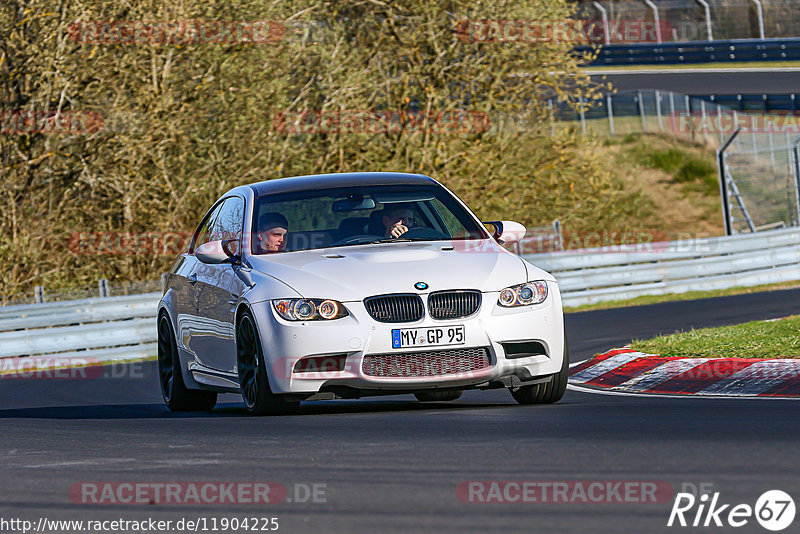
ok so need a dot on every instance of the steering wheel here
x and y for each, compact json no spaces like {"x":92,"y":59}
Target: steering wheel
{"x":353,"y":239}
{"x":423,"y":232}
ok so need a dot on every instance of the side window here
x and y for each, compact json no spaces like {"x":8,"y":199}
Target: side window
{"x":230,"y":221}
{"x":204,"y":231}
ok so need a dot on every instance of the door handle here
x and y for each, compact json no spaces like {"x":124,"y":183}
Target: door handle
{"x":193,"y":278}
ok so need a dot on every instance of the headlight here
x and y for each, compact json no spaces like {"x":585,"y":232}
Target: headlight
{"x":523,"y":294}
{"x":309,"y":309}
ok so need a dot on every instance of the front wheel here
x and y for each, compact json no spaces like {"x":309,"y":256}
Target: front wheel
{"x":257,"y":395}
{"x":176,"y":395}
{"x":548,"y":392}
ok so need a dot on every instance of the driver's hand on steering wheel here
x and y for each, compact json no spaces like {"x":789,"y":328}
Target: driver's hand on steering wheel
{"x":398,"y":230}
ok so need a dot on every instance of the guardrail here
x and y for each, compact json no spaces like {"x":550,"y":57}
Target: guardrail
{"x":777,"y":103}
{"x":732,"y":50}
{"x":620,"y":272}
{"x":123,"y":328}
{"x":541,"y":238}
{"x":94,"y":330}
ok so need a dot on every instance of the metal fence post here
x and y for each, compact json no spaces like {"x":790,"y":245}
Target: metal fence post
{"x":708,"y":18}
{"x":760,"y":13}
{"x":753,"y":137}
{"x":610,"y":110}
{"x":771,"y":145}
{"x":703,"y":118}
{"x":658,"y":110}
{"x":719,"y":124}
{"x":559,"y":236}
{"x":688,"y":105}
{"x":791,"y":158}
{"x":604,"y":15}
{"x":641,"y":110}
{"x":672,"y":111}
{"x":723,"y":182}
{"x":102,"y":285}
{"x":38,"y":294}
{"x":796,"y":151}
{"x":583,"y":114}
{"x":656,"y":18}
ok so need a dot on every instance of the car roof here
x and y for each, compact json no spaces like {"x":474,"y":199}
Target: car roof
{"x":345,"y":179}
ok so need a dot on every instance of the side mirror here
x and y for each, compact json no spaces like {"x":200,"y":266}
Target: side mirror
{"x":215,"y":251}
{"x":506,"y":232}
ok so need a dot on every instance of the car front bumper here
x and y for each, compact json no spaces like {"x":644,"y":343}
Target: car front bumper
{"x":357,"y":335}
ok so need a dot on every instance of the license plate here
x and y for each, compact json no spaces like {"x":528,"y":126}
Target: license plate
{"x":427,"y":337}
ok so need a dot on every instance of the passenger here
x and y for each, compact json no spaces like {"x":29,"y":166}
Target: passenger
{"x":398,"y":220}
{"x":271,"y":236}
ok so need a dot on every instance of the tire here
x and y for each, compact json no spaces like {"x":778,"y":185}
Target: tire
{"x":438,"y":396}
{"x":549,"y":392}
{"x":257,"y":395}
{"x":176,"y":395}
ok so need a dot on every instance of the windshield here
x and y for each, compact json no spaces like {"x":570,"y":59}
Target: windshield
{"x":347,"y":216}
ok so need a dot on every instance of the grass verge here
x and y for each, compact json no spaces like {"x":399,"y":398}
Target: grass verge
{"x":690,"y":295}
{"x":687,"y":167}
{"x":758,"y":339}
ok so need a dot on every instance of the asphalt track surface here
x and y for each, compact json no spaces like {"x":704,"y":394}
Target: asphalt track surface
{"x":392,"y":464}
{"x":705,"y":82}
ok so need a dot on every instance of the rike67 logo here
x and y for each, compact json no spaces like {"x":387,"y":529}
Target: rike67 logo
{"x":774,"y":510}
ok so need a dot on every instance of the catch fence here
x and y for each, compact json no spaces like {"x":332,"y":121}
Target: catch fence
{"x":695,"y":20}
{"x":757,"y":156}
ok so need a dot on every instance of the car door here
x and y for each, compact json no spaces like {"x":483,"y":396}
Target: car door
{"x":190,"y":323}
{"x":218,"y":290}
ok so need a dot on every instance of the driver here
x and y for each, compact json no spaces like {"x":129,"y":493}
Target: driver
{"x":272,"y":228}
{"x":398,"y":220}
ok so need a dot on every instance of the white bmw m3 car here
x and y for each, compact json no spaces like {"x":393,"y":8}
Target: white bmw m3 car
{"x":350,"y":285}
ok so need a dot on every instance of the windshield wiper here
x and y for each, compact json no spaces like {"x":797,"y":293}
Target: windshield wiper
{"x":395,"y":240}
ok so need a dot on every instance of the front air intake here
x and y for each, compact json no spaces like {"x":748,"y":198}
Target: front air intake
{"x":453,"y":304}
{"x":427,"y":363}
{"x":523,"y":349}
{"x":403,"y":308}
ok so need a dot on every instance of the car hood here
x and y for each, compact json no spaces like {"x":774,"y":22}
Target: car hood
{"x":355,"y":272}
